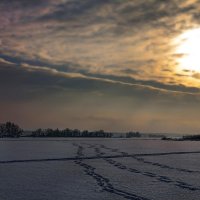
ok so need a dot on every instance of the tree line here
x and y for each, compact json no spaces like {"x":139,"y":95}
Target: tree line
{"x":192,"y":137}
{"x":10,"y":129}
{"x":69,"y":133}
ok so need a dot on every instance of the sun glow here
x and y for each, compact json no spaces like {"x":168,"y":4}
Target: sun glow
{"x":188,"y":50}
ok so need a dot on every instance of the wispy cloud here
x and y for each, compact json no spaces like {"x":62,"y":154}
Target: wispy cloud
{"x":120,"y":49}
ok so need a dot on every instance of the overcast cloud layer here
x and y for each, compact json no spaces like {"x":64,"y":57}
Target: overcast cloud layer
{"x":97,"y":64}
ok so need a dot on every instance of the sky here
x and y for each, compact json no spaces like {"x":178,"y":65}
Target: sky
{"x":117,"y":65}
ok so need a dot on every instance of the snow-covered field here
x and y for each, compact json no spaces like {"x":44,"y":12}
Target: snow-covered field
{"x":62,"y":169}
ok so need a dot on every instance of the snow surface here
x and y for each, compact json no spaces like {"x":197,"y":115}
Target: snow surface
{"x":55,"y":168}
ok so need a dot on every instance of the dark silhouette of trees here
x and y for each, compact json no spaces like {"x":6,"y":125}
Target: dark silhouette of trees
{"x":187,"y":138}
{"x":133,"y":134}
{"x":192,"y":137}
{"x":10,"y":130}
{"x":69,"y":133}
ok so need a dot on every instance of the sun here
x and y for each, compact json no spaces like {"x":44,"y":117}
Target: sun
{"x":188,"y":50}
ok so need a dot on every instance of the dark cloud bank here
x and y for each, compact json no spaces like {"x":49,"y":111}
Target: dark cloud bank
{"x":95,"y":64}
